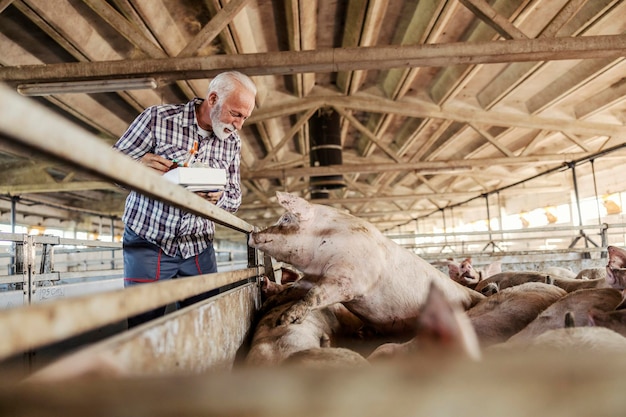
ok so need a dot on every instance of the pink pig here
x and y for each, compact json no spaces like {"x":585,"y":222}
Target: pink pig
{"x":351,"y":262}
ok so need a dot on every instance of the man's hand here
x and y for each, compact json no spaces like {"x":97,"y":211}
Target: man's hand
{"x":156,"y":162}
{"x":212,"y":197}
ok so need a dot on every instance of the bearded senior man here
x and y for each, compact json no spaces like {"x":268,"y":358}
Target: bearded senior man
{"x":163,"y":242}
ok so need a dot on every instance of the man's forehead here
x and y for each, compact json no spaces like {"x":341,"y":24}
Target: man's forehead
{"x":242,"y":103}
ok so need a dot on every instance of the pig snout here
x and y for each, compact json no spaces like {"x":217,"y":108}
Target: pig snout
{"x":490,"y":289}
{"x":256,"y":238}
{"x":252,"y":239}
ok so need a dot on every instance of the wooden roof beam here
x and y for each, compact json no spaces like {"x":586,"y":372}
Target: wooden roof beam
{"x":603,"y":100}
{"x":363,"y":24}
{"x":497,"y":22}
{"x":302,"y":120}
{"x":327,"y":60}
{"x":449,"y":81}
{"x":574,"y":79}
{"x":421,"y":109}
{"x":426,"y":167}
{"x":492,"y":140}
{"x":302,"y":27}
{"x":515,"y":74}
{"x":416,"y":108}
{"x":212,"y":29}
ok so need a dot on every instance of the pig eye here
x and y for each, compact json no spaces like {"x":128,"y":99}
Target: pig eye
{"x":287,"y":219}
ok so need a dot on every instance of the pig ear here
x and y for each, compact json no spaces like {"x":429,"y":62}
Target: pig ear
{"x":299,"y":206}
{"x":591,"y":319}
{"x":453,"y":270}
{"x":617,"y":257}
{"x":447,"y":324}
{"x":493,"y":268}
{"x":622,"y":304}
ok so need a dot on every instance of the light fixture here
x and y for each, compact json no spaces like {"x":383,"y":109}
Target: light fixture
{"x":610,"y":205}
{"x":551,"y":216}
{"x":523,"y":219}
{"x":75,"y":87}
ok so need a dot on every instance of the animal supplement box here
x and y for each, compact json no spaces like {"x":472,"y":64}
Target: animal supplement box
{"x":198,"y":179}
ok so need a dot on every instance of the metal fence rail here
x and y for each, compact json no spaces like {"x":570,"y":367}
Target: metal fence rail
{"x":539,"y":240}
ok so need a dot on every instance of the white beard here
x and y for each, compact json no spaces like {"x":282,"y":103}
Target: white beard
{"x":219,"y":128}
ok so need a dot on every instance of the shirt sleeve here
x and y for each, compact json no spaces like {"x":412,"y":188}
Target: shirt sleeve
{"x":138,"y":138}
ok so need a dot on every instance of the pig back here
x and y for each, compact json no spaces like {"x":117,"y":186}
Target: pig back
{"x":511,"y":278}
{"x":578,"y":302}
{"x":392,"y":285}
{"x":498,"y":317}
{"x":592,"y":273}
{"x":573,"y":284}
{"x":326,"y":358}
{"x":579,"y":339}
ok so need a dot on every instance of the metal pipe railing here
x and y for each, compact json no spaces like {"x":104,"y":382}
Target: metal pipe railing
{"x":548,"y":230}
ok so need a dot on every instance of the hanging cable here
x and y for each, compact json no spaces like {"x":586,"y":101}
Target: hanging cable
{"x":595,"y":189}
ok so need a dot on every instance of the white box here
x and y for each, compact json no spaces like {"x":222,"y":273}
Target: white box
{"x":198,"y":179}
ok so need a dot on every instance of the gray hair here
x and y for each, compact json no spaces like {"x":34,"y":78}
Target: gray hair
{"x":224,"y":83}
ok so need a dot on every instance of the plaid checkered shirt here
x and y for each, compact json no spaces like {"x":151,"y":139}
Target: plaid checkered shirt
{"x":170,"y":131}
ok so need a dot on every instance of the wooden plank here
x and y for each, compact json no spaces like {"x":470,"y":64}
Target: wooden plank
{"x":492,"y":140}
{"x":514,"y":75}
{"x":363,"y":25}
{"x":126,"y":28}
{"x":212,"y":29}
{"x":416,"y":108}
{"x":302,"y":120}
{"x":424,"y":24}
{"x":367,"y":133}
{"x":451,"y":80}
{"x":568,"y":83}
{"x":604,"y":99}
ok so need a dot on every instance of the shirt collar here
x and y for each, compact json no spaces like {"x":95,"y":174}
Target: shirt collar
{"x":188,"y":115}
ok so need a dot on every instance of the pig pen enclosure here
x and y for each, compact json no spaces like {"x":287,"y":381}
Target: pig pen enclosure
{"x":186,"y":362}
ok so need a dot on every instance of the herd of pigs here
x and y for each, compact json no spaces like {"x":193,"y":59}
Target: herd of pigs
{"x":360,"y":298}
{"x":355,"y":299}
